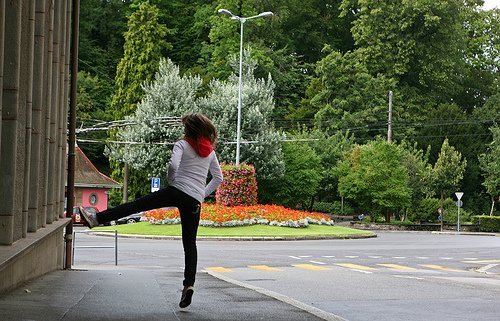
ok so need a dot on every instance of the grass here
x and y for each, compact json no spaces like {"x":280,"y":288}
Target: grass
{"x":145,"y":228}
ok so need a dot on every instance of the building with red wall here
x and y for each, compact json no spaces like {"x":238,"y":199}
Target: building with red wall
{"x":91,"y":186}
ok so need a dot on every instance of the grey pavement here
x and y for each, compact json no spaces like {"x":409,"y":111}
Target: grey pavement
{"x":121,"y":293}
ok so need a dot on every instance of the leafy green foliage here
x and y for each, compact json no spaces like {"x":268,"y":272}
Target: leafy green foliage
{"x":448,"y":171}
{"x":487,"y":223}
{"x":143,"y":45}
{"x":374,"y":176}
{"x":490,"y":166}
{"x":302,"y":176}
{"x":173,"y":95}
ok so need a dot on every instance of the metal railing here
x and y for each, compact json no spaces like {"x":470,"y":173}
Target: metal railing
{"x":115,"y":246}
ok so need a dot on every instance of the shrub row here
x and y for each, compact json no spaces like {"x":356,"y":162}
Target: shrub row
{"x":487,"y":223}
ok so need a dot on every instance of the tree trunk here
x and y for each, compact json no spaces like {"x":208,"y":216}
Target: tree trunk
{"x":492,"y":205}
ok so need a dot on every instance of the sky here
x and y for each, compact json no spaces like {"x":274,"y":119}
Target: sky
{"x":490,"y":4}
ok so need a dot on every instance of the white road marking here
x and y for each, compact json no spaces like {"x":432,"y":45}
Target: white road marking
{"x":485,"y":269}
{"x":294,"y":257}
{"x":317,"y":262}
{"x":351,"y":256}
{"x":407,"y":277}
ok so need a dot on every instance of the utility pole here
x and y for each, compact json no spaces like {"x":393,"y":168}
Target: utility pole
{"x":389,"y":122}
{"x":125,"y":183}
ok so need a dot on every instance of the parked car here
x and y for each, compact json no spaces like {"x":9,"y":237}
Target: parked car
{"x":134,"y":218}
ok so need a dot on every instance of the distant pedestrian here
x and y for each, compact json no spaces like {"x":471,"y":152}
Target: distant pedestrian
{"x":193,"y":157}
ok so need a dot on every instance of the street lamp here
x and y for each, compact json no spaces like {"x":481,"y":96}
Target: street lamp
{"x":240,"y":78}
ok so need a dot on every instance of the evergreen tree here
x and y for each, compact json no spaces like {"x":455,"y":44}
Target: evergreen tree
{"x":448,"y":171}
{"x":144,"y":42}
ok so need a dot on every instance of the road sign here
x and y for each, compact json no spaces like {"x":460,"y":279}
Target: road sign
{"x":440,"y":210}
{"x":459,"y":203}
{"x":459,"y":195}
{"x":155,"y":184}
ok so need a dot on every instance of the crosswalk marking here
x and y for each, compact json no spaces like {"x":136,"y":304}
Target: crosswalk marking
{"x":397,"y":267}
{"x":264,"y":268}
{"x":311,"y":267}
{"x":317,"y":262}
{"x":219,"y":269}
{"x":356,"y":266}
{"x":442,"y":268}
{"x":482,"y":261}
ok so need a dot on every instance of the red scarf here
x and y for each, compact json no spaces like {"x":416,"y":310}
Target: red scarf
{"x":202,"y":146}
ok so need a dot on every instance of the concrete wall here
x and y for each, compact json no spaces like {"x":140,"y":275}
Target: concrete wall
{"x":34,"y":87}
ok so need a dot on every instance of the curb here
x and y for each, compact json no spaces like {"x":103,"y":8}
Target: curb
{"x":241,"y":238}
{"x":280,"y":297}
{"x":465,"y":233}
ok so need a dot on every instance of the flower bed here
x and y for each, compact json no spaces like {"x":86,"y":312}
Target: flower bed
{"x":225,"y":216}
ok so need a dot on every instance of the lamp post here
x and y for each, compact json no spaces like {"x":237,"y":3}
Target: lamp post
{"x":242,"y":20}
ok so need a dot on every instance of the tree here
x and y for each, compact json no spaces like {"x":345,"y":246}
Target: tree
{"x":169,"y":96}
{"x":448,"y":171}
{"x":374,"y":176}
{"x":93,"y":100}
{"x":490,"y":166}
{"x":263,"y":149}
{"x":144,"y":42}
{"x":102,"y":24}
{"x":302,"y":176}
{"x":419,"y":43}
{"x":350,"y":98}
{"x":173,"y":95}
{"x":417,"y":165}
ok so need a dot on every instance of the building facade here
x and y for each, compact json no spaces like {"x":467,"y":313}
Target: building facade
{"x":34,"y":99}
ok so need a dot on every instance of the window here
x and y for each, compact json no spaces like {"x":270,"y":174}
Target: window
{"x":93,"y":199}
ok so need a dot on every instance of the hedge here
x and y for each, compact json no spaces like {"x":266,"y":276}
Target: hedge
{"x":487,"y":223}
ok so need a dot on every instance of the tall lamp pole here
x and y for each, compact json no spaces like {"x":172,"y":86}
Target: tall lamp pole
{"x":240,"y":78}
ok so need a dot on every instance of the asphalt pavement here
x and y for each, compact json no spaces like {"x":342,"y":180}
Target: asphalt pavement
{"x":120,"y":293}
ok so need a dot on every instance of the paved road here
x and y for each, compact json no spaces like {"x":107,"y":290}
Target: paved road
{"x":396,"y":276}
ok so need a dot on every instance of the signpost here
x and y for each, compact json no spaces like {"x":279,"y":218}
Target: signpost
{"x":155,"y":184}
{"x":459,"y":204}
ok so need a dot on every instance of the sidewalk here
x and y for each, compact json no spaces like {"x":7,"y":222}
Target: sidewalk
{"x":121,"y":293}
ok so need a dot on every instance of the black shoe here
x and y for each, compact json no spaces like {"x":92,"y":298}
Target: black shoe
{"x":187,"y":295}
{"x":90,"y":219}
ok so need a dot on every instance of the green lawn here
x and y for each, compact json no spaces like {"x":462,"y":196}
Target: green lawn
{"x":145,"y":228}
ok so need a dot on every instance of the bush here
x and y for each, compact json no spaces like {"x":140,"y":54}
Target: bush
{"x":239,"y":186}
{"x":487,"y":223}
{"x":427,"y":211}
{"x":332,"y":208}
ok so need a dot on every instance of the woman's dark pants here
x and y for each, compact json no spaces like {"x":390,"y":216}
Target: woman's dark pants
{"x":189,"y":209}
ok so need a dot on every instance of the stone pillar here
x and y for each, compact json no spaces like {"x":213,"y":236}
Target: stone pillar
{"x":26,"y":86}
{"x":54,"y":117}
{"x":67,"y":50}
{"x":2,"y":31}
{"x":38,"y":113}
{"x":47,"y":90}
{"x":61,"y":143}
{"x":10,"y":105}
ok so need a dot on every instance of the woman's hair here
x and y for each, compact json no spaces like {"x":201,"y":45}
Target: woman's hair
{"x":197,"y":125}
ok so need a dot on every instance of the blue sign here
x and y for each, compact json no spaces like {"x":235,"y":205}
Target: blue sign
{"x":155,"y":184}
